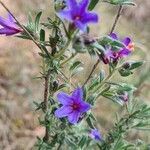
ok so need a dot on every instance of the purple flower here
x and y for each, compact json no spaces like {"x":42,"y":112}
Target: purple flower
{"x":124,"y":97}
{"x":9,"y":26}
{"x":95,"y":134}
{"x":115,"y":55}
{"x":73,"y":106}
{"x":78,"y":14}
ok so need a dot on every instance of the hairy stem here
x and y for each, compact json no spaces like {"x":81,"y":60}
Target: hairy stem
{"x":104,"y":81}
{"x":93,"y":69}
{"x":117,"y":18}
{"x":46,"y":89}
{"x":67,"y":79}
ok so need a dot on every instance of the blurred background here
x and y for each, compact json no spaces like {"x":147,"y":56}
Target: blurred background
{"x":20,"y":64}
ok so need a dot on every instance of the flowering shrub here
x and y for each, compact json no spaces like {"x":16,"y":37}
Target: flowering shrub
{"x":67,"y":108}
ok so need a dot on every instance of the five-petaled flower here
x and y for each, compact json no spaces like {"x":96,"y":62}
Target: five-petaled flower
{"x":95,"y":134}
{"x":73,"y":106}
{"x":115,"y":55}
{"x":78,"y":14}
{"x":9,"y":26}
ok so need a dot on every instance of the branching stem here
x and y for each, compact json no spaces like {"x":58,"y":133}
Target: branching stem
{"x":46,"y":92}
{"x":112,"y":29}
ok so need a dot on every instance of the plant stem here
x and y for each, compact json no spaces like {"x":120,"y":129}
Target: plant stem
{"x":60,"y":53}
{"x":117,"y":18}
{"x":66,"y":78}
{"x":93,"y":69}
{"x":46,"y":89}
{"x":105,"y":80}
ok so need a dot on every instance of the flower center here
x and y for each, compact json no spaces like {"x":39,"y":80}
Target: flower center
{"x":75,"y":106}
{"x":77,"y":17}
{"x":131,"y":46}
{"x":115,"y":54}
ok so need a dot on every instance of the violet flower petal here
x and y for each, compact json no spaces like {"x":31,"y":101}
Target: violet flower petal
{"x":71,"y":3}
{"x":64,"y":98}
{"x":80,"y":25}
{"x":65,"y":14}
{"x":7,"y":32}
{"x":7,"y":24}
{"x":4,"y":22}
{"x":95,"y":134}
{"x":90,"y":17}
{"x":83,"y":5}
{"x":124,"y":52}
{"x":114,"y":36}
{"x":74,"y":117}
{"x":10,"y":18}
{"x":77,"y":94}
{"x":84,"y":107}
{"x":63,"y":112}
{"x":126,"y":41}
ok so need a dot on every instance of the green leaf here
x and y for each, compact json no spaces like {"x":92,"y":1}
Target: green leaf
{"x":126,"y":87}
{"x":99,"y":47}
{"x":62,"y":86}
{"x":77,"y":70}
{"x":121,"y":2}
{"x":71,"y":143}
{"x":43,"y":55}
{"x":42,"y":35}
{"x":102,"y":75}
{"x":125,"y":72}
{"x":25,"y":37}
{"x":92,"y":117}
{"x":94,"y":84}
{"x":46,"y":51}
{"x":129,"y":3}
{"x":30,"y":21}
{"x":117,"y":43}
{"x":37,"y":21}
{"x":82,"y":142}
{"x":92,"y":4}
{"x":134,"y":65}
{"x":75,"y":65}
{"x":89,"y":122}
{"x":91,"y":99}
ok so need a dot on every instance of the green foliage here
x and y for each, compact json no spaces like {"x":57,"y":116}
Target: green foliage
{"x":126,"y":68}
{"x":92,"y":5}
{"x":131,"y":120}
{"x":121,"y":2}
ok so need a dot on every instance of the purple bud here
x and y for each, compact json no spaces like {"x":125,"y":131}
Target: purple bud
{"x":95,"y":134}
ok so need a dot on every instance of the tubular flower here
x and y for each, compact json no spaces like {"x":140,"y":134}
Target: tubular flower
{"x":73,"y":106}
{"x":78,"y":14}
{"x":95,"y":134}
{"x":114,"y":55}
{"x":9,"y":26}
